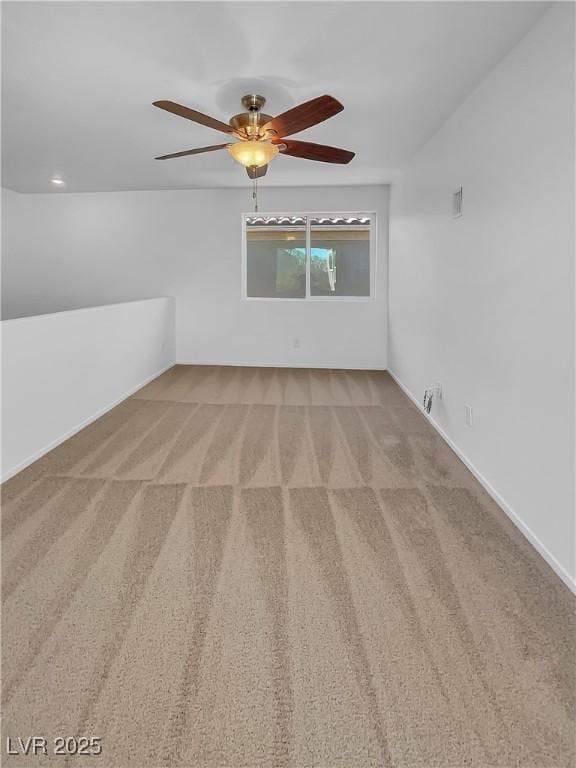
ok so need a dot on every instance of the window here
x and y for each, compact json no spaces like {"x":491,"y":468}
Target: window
{"x":308,"y":256}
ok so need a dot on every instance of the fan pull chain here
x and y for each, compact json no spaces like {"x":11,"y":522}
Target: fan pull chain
{"x":255,"y":194}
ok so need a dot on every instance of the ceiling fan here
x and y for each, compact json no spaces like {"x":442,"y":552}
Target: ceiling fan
{"x":260,"y":137}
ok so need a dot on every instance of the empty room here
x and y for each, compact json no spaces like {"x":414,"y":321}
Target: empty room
{"x":288,"y":388}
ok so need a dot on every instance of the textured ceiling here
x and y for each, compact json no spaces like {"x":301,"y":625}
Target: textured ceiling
{"x":79,"y":79}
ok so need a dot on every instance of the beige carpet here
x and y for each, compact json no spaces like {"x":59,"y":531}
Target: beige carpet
{"x":274,"y":567}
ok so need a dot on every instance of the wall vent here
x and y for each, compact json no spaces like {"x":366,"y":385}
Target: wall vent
{"x":457,"y":203}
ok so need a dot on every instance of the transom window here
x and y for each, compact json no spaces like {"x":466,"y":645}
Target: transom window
{"x":308,"y":256}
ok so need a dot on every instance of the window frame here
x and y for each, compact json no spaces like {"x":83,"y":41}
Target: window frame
{"x":373,"y":253}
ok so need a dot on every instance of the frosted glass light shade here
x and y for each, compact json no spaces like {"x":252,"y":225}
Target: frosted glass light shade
{"x":253,"y":153}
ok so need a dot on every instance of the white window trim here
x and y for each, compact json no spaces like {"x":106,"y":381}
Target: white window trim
{"x":311,"y":215}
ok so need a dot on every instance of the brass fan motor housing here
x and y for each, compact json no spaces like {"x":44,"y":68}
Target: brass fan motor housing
{"x":249,"y":118}
{"x":249,"y":123}
{"x":245,"y":120}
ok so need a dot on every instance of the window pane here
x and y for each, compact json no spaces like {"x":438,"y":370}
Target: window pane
{"x":276,"y":256}
{"x":340,"y":256}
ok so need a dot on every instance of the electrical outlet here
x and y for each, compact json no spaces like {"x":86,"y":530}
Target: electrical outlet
{"x":296,"y":343}
{"x":468,"y":411}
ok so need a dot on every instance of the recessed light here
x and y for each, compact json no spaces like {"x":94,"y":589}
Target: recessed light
{"x":58,"y":181}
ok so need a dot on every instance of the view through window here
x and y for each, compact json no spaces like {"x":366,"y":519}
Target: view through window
{"x":308,"y":256}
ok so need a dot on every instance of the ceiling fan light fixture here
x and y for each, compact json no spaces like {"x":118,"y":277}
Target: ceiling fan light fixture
{"x":253,"y":153}
{"x":261,"y":137}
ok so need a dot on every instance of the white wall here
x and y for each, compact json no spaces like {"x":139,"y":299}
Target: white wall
{"x":61,"y":371}
{"x":64,"y":252}
{"x":484,"y":304}
{"x":71,"y":250}
{"x":214,"y":325}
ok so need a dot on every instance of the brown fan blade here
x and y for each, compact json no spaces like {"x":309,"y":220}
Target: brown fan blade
{"x":196,"y":117}
{"x":320,"y":152}
{"x":304,"y":116}
{"x":256,"y":173}
{"x":198,"y":151}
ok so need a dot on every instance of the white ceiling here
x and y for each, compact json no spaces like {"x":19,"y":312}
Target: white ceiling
{"x":79,"y":79}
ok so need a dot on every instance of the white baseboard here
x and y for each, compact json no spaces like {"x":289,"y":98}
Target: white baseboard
{"x":557,"y":567}
{"x":330,"y":366}
{"x":46,"y":449}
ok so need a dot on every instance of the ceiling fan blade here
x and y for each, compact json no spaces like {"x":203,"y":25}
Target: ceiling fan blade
{"x":309,"y":151}
{"x":304,"y":116}
{"x":256,"y":173}
{"x":198,"y":151}
{"x":196,"y":117}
